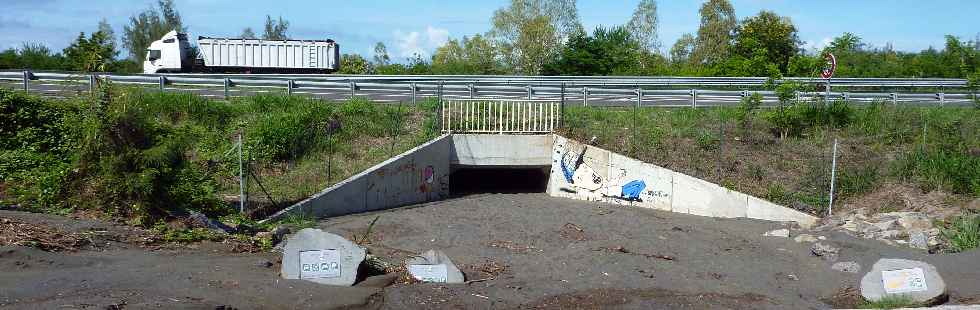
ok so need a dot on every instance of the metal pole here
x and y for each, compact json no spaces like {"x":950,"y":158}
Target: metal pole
{"x":241,"y":177}
{"x":529,"y":92}
{"x":289,"y":87}
{"x":585,"y":96}
{"x":92,"y":80}
{"x":353,"y":90}
{"x":561,"y":119}
{"x":694,"y":98}
{"x":27,"y":81}
{"x":329,"y":155}
{"x":894,"y":99}
{"x":227,"y":84}
{"x":163,"y":81}
{"x":826,"y":98}
{"x":471,"y":91}
{"x":414,"y":103}
{"x":833,"y":175}
{"x":441,"y":108}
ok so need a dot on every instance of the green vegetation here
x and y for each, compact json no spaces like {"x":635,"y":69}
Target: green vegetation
{"x":144,"y":155}
{"x":890,"y":302}
{"x":963,"y":233}
{"x":785,"y":154}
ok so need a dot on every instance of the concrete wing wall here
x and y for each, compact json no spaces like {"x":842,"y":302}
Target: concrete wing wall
{"x":418,"y":175}
{"x":585,"y":172}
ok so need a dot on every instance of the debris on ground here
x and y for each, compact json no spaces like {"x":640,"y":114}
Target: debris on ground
{"x":783,"y":232}
{"x":38,"y":236}
{"x":621,"y":249}
{"x":573,"y":232}
{"x":848,"y":267}
{"x":808,"y":238}
{"x":513,"y":246}
{"x":825,"y":251}
{"x":199,"y":220}
{"x":929,"y":289}
{"x":434,"y":266}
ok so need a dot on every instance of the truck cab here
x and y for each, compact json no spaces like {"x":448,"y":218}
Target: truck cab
{"x":172,"y":53}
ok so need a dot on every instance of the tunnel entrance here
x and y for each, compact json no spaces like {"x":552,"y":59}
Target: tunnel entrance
{"x":510,"y":180}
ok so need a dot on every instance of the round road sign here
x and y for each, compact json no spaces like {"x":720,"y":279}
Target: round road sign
{"x":830,"y":67}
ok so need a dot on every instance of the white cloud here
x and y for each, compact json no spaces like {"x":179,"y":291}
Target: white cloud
{"x":411,"y":43}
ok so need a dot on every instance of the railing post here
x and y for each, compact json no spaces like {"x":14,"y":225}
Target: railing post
{"x":530,"y":92}
{"x":894,"y":98}
{"x":162,"y":82}
{"x":694,"y":98}
{"x":227,"y":85}
{"x":353,"y":90}
{"x":289,"y":87}
{"x":942,"y":98}
{"x":414,"y":89}
{"x":585,"y":96}
{"x":471,"y":90}
{"x":27,"y":81}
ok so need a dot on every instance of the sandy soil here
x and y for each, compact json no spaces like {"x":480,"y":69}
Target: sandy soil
{"x":519,"y":251}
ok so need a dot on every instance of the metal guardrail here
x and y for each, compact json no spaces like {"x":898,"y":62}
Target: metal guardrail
{"x":598,"y":91}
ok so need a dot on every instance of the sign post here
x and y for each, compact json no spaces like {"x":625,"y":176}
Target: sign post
{"x":828,"y":72}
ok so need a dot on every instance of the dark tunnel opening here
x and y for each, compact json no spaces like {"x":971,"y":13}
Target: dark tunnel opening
{"x":482,"y":180}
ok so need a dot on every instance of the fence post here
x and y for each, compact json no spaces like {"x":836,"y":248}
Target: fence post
{"x":241,"y":177}
{"x":27,"y":81}
{"x":585,"y":96}
{"x":413,"y":94}
{"x":289,"y":87}
{"x":833,"y":175}
{"x":227,"y":85}
{"x":162,"y":82}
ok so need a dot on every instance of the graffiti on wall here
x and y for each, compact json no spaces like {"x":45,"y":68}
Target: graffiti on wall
{"x":427,"y":178}
{"x":594,"y":178}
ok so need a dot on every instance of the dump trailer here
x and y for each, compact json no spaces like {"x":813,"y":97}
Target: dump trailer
{"x":174,"y":53}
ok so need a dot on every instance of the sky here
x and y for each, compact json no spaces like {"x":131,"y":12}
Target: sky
{"x":419,"y":26}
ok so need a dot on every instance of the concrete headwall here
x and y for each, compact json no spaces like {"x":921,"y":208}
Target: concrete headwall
{"x":589,"y":173}
{"x":501,"y":150}
{"x":418,"y":175}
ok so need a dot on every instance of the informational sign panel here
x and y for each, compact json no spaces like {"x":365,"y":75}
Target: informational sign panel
{"x":316,"y":264}
{"x":903,"y":281}
{"x":429,"y":273}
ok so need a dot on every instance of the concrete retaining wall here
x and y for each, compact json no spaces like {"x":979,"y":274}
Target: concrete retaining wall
{"x":590,"y":173}
{"x":501,"y":150}
{"x":418,"y":175}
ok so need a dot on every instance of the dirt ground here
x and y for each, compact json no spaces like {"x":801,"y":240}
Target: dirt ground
{"x":517,"y":251}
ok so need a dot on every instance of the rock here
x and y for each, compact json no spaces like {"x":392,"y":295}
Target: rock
{"x":199,"y":220}
{"x":321,"y":257}
{"x":849,"y":267}
{"x":931,"y":291}
{"x":973,"y":206}
{"x":805,"y":238}
{"x":915,"y":221}
{"x":777,"y":233}
{"x":885,"y":225}
{"x":280,"y":233}
{"x":428,"y":267}
{"x":918,"y":240}
{"x":889,"y":234}
{"x":825,"y":251}
{"x":821,"y":238}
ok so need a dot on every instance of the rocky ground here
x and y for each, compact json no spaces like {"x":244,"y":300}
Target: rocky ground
{"x":516,"y":251}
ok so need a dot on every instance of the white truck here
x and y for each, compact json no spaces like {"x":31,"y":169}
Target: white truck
{"x":173,"y":53}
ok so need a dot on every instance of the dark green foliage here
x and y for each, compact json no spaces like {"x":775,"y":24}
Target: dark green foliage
{"x":606,"y":52}
{"x":794,"y":119}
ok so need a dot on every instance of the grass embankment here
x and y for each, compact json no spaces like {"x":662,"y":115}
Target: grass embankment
{"x":145,"y":156}
{"x":784,"y":155}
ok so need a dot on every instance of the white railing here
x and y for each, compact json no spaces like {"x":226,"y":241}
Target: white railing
{"x":512,"y":116}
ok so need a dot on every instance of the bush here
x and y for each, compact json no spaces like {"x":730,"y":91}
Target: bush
{"x":794,"y":119}
{"x":943,"y":168}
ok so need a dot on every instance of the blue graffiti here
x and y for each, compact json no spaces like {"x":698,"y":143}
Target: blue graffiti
{"x":565,"y":170}
{"x":632,"y":190}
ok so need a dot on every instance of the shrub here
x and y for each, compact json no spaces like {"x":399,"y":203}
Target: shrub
{"x":942,"y":168}
{"x":746,"y":110}
{"x":707,"y":142}
{"x":963,"y":233}
{"x":858,"y":180}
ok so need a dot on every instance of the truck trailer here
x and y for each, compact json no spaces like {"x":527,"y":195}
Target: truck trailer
{"x":173,"y":53}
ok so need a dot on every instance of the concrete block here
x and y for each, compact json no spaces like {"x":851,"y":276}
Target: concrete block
{"x":896,"y":277}
{"x":321,"y":257}
{"x":700,"y":197}
{"x":764,"y":210}
{"x":440,"y":268}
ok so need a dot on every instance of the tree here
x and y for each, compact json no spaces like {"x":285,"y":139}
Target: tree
{"x":106,"y":29}
{"x":149,"y":26}
{"x":612,"y":51}
{"x":715,"y":33}
{"x":530,"y":32}
{"x":247,"y":33}
{"x":682,"y":49}
{"x":381,"y":57}
{"x":846,"y":42}
{"x":94,"y":53}
{"x":775,"y":34}
{"x":275,"y":29}
{"x":471,"y":55}
{"x":354,"y":64}
{"x":644,"y":26}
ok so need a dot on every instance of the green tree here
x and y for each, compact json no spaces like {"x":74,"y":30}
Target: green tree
{"x":715,"y":33}
{"x":530,"y":32}
{"x":381,"y":57}
{"x":275,"y":29}
{"x":611,"y":51}
{"x":681,"y":52}
{"x":471,"y":55}
{"x":355,"y":64}
{"x":150,"y":25}
{"x":247,"y":33}
{"x":775,"y":34}
{"x":94,"y":53}
{"x":644,"y":25}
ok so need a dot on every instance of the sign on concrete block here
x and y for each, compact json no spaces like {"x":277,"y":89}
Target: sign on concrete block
{"x":903,"y":281}
{"x":429,"y":273}
{"x":319,"y":264}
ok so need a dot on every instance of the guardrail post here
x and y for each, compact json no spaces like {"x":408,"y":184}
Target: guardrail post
{"x":472,"y":93}
{"x":894,"y":98}
{"x":227,"y":85}
{"x":289,"y":87}
{"x":694,"y":98}
{"x":27,"y":81}
{"x":942,"y":98}
{"x":414,"y":89}
{"x":585,"y":96}
{"x":162,"y":82}
{"x":353,"y":90}
{"x":530,"y":92}
{"x":561,"y":108}
{"x":639,"y":96}
{"x":92,"y":83}
{"x":442,"y":109}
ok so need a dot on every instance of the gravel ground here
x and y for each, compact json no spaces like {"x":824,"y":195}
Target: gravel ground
{"x":519,"y":251}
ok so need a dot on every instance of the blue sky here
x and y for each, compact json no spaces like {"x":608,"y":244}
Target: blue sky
{"x":407,"y":27}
